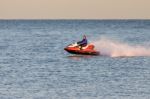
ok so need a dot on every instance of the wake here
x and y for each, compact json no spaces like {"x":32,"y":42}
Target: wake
{"x":113,"y":48}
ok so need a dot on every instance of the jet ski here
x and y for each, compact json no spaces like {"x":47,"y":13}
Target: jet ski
{"x":87,"y":50}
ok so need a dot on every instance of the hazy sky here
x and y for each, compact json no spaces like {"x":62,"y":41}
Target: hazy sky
{"x":74,"y":9}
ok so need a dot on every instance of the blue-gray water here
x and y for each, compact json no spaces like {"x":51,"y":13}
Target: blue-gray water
{"x":33,"y":64}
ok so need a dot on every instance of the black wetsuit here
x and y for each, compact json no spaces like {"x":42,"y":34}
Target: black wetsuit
{"x":82,"y":43}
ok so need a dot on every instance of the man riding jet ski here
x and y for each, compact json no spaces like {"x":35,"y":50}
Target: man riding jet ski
{"x":82,"y":43}
{"x":82,"y":47}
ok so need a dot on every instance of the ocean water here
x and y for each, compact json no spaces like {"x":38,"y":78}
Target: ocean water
{"x":33,"y":64}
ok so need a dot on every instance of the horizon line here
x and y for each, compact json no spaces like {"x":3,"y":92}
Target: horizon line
{"x":75,"y":19}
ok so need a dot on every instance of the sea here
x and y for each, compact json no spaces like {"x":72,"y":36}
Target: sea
{"x":34,"y":64}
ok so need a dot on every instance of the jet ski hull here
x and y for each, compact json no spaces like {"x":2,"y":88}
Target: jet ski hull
{"x":77,"y":50}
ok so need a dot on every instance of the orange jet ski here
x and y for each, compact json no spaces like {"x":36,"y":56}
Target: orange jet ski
{"x":76,"y":49}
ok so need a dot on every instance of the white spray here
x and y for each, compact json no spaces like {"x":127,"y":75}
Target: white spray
{"x":116,"y":49}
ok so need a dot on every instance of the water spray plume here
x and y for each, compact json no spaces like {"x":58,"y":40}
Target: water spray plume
{"x":116,"y":49}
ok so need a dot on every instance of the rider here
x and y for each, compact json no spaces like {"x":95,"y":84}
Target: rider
{"x":82,"y":43}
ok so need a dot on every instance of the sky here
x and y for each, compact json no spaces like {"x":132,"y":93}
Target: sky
{"x":74,"y":9}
